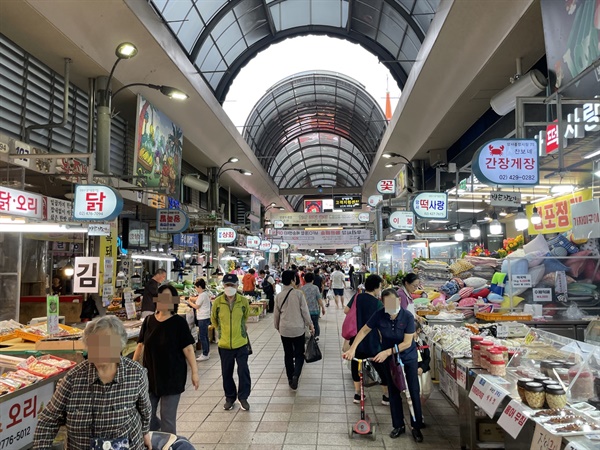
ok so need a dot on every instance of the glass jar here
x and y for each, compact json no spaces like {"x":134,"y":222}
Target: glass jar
{"x":521,"y":382}
{"x":544,"y":366}
{"x":476,"y":355}
{"x":497,"y":368}
{"x":534,"y":395}
{"x":540,"y":379}
{"x":475,"y":340}
{"x":556,"y":396}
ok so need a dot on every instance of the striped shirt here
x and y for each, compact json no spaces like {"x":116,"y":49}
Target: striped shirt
{"x":90,"y":408}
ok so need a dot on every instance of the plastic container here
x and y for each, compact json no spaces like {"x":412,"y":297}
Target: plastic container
{"x":535,"y":395}
{"x":497,"y":368}
{"x":476,"y":354}
{"x":504,"y":351}
{"x":485,"y":357}
{"x":556,"y":396}
{"x":475,"y":340}
{"x":521,"y":382}
{"x":495,"y":355}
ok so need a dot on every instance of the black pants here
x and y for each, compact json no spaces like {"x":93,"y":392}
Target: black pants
{"x":315,"y":321}
{"x":271,"y":303}
{"x":293,"y":355}
{"x":228,"y":360}
{"x":412,"y":383}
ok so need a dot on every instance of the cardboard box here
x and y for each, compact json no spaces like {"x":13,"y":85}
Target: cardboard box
{"x":72,"y":345}
{"x":490,"y":432}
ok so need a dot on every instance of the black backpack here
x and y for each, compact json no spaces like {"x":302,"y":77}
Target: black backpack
{"x":267,"y":287}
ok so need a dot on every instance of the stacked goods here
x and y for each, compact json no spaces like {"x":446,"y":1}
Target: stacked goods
{"x":25,"y":372}
{"x":432,"y":273}
{"x":38,"y":332}
{"x":7,"y":329}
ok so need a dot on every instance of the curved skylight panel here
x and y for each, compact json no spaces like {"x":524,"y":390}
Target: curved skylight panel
{"x":296,"y":13}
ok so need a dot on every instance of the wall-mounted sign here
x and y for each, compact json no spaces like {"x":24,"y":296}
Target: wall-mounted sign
{"x":402,"y":220}
{"x":509,"y":162}
{"x":278,"y":224}
{"x":327,"y":239}
{"x":21,"y":148}
{"x":96,"y":202}
{"x":20,"y":203}
{"x":364,"y":217}
{"x":265,"y":246}
{"x":171,"y":221}
{"x":510,"y":199}
{"x":431,"y":205}
{"x":99,"y":229}
{"x":57,"y":210}
{"x":401,"y":180}
{"x":386,"y":186}
{"x":284,"y":245}
{"x":342,"y":202}
{"x":275,"y":248}
{"x":252,"y":241}
{"x":586,"y":219}
{"x":556,"y":212}
{"x":357,"y":249}
{"x":86,"y":278}
{"x":313,"y":206}
{"x":226,"y":235}
{"x":374,"y":200}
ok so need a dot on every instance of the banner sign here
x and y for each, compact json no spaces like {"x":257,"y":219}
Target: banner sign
{"x":252,"y":241}
{"x":386,"y":186}
{"x":374,"y":200}
{"x":341,"y":202}
{"x":330,"y":218}
{"x":510,"y":199}
{"x":20,"y":203}
{"x":186,"y":240}
{"x":402,"y":220}
{"x":226,"y":235}
{"x":99,"y":229}
{"x":265,"y":246}
{"x":556,"y":212}
{"x":96,"y":202}
{"x":171,"y":221}
{"x":364,"y":217}
{"x":56,"y":210}
{"x":87,"y":275}
{"x":586,"y":219}
{"x":511,"y":162}
{"x":431,"y":205}
{"x":326,"y":239}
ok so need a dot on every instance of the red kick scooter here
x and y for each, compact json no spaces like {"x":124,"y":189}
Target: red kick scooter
{"x":363,"y":427}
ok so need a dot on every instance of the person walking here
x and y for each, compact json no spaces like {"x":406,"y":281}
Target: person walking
{"x":318,"y":280}
{"x":396,"y":327}
{"x":338,"y":284}
{"x":202,"y":305}
{"x":151,"y":292}
{"x":290,"y":318}
{"x":229,"y":315}
{"x":249,"y":283}
{"x":268,"y":287}
{"x":351,"y":277}
{"x":314,"y":301}
{"x":166,"y":344}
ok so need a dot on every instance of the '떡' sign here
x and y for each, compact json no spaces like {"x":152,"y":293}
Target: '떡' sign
{"x":86,"y":278}
{"x":226,"y":235}
{"x":252,"y":241}
{"x":265,"y":245}
{"x":431,"y":205}
{"x":586,"y":219}
{"x":99,"y":229}
{"x":512,"y":419}
{"x":507,"y":162}
{"x":284,"y":245}
{"x":364,"y":217}
{"x":20,"y":203}
{"x":542,"y":294}
{"x":96,"y":202}
{"x":374,"y":200}
{"x":556,"y":213}
{"x":510,"y":199}
{"x":386,"y":186}
{"x":171,"y":221}
{"x":402,"y":220}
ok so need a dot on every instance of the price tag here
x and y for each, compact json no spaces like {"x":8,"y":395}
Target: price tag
{"x":130,"y":310}
{"x":512,"y":419}
{"x":486,"y":395}
{"x":521,"y":281}
{"x":461,"y":376}
{"x":542,"y":294}
{"x":502,"y":331}
{"x":544,"y":440}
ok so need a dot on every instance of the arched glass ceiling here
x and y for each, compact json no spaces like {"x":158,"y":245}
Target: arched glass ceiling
{"x":221,"y":36}
{"x":316,"y":128}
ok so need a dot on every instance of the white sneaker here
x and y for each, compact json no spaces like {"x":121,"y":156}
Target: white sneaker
{"x":203,"y":358}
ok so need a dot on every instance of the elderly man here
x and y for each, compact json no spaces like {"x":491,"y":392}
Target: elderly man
{"x":229,"y":315}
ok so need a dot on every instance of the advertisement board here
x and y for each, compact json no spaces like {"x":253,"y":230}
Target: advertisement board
{"x":96,"y":202}
{"x":431,"y":205}
{"x":556,"y":212}
{"x":346,"y":202}
{"x":326,"y":239}
{"x":511,"y":162}
{"x":171,"y":221}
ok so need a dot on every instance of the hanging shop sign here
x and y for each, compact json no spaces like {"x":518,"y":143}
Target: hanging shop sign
{"x":186,"y":240}
{"x":509,"y":199}
{"x":278,"y":224}
{"x":252,"y":241}
{"x":323,"y":219}
{"x":586,"y":219}
{"x":171,"y":221}
{"x":326,"y":239}
{"x":226,"y":235}
{"x":511,"y":162}
{"x":265,"y":246}
{"x":386,"y":186}
{"x":99,"y":229}
{"x":364,"y":217}
{"x":86,"y":278}
{"x":57,"y":210}
{"x":344,"y":202}
{"x":431,"y":205}
{"x":96,"y":202}
{"x":556,"y":212}
{"x":284,"y":245}
{"x":20,"y":203}
{"x":374,"y":200}
{"x":402,"y":220}
{"x":275,"y":248}
{"x":357,"y":249}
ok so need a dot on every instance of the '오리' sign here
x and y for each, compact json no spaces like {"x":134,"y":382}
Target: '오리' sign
{"x":171,"y":221}
{"x":431,"y":205}
{"x":96,"y":202}
{"x":402,"y":220}
{"x":507,"y":162}
{"x":226,"y":235}
{"x":20,"y":203}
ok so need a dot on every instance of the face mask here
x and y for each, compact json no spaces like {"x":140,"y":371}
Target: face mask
{"x":391,"y":312}
{"x":230,"y":291}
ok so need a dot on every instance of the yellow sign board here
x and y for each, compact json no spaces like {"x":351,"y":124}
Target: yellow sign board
{"x":556,"y":212}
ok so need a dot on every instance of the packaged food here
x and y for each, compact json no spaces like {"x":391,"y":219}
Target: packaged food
{"x":475,"y":340}
{"x":582,"y":406}
{"x":521,"y":382}
{"x":476,"y":355}
{"x":504,"y":351}
{"x":56,"y":362}
{"x":495,"y":354}
{"x":497,"y":368}
{"x":534,"y":394}
{"x":550,"y":413}
{"x":556,"y":396}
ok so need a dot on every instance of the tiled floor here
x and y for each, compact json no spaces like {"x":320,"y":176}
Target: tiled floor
{"x":316,"y":416}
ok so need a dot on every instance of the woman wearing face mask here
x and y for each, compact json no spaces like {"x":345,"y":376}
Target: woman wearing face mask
{"x":397,"y":328}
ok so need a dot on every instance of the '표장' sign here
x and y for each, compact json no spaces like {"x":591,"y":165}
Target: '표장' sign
{"x":431,"y":205}
{"x":507,"y":162}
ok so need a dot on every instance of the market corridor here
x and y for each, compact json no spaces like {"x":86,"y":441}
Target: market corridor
{"x":316,"y":416}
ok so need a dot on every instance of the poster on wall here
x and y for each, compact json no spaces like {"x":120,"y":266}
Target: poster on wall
{"x":313,"y":206}
{"x":158,"y":149}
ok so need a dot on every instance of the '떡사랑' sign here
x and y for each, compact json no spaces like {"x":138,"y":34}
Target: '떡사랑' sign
{"x":512,"y":162}
{"x":431,"y":205}
{"x":556,"y":212}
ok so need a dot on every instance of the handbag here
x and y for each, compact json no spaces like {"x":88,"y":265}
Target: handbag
{"x":370,"y":375}
{"x":350,"y":327}
{"x":101,"y":443}
{"x":313,"y":353}
{"x":397,"y":372}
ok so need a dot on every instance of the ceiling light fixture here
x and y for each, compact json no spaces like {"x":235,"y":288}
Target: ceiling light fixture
{"x":562,"y":189}
{"x":475,"y":231}
{"x":459,"y":235}
{"x":469,"y":210}
{"x":521,"y":221}
{"x":536,"y":219}
{"x":126,"y":50}
{"x":495,"y":225}
{"x":41,"y":228}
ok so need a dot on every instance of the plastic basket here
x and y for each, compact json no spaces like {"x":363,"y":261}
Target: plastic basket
{"x":499,"y":317}
{"x":32,"y":337}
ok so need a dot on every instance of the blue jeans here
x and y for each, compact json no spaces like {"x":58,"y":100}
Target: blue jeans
{"x":228,"y":360}
{"x":203,"y":335}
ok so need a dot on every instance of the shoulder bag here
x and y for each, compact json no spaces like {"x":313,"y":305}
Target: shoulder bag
{"x":350,"y":326}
